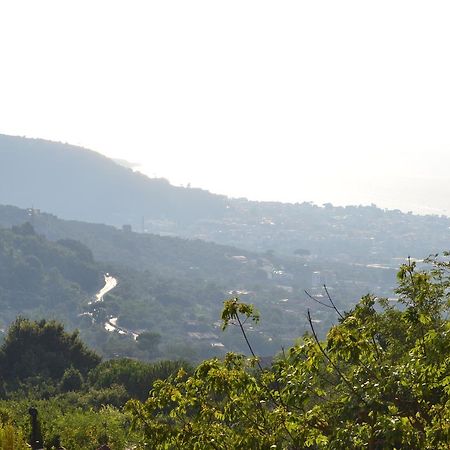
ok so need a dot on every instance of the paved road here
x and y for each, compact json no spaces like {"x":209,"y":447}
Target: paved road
{"x":111,"y":323}
{"x":110,"y":284}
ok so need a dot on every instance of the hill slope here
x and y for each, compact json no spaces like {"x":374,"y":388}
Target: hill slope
{"x":42,"y":279}
{"x":80,"y":184}
{"x":170,"y":286}
{"x":77,"y":183}
{"x":38,"y":276}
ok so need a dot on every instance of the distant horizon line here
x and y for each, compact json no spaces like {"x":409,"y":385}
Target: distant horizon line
{"x":138,"y":167}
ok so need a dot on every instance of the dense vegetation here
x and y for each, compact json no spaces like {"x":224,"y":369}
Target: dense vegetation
{"x":45,"y":351}
{"x":172,"y":311}
{"x":79,"y":398}
{"x":174,"y":287}
{"x":380,"y":380}
{"x":372,"y":375}
{"x":38,"y":276}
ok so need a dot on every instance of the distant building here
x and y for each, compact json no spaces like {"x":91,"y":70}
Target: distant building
{"x":127,"y":228}
{"x":240,"y":258}
{"x":217,"y":344}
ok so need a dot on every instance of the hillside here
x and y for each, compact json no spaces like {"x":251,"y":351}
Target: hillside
{"x":58,"y":279}
{"x":163,"y":255}
{"x":41,"y":277}
{"x":200,"y":248}
{"x":175,"y":286}
{"x":76,"y":183}
{"x":170,"y":286}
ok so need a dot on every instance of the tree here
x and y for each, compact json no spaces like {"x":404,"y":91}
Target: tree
{"x":380,"y":379}
{"x":148,"y":342}
{"x":72,"y":380}
{"x":137,"y":377}
{"x":43,"y":349}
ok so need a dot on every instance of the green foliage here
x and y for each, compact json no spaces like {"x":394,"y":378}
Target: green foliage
{"x":74,"y":427}
{"x":379,"y":380}
{"x":136,"y":377}
{"x":184,"y":285}
{"x":148,"y":342}
{"x":43,"y":349}
{"x":11,"y":438}
{"x":39,"y":277}
{"x":72,"y":380}
{"x":85,"y":430}
{"x":81,"y":251}
{"x":233,"y":308}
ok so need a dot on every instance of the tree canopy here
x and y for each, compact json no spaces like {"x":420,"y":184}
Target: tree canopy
{"x":43,"y":349}
{"x":380,"y":379}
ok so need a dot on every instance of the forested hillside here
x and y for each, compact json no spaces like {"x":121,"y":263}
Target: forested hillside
{"x":379,"y":380}
{"x":372,"y":374}
{"x":76,"y":183}
{"x":170,"y":294}
{"x":163,"y":255}
{"x":41,"y":277}
{"x":45,"y":279}
{"x":175,"y":287}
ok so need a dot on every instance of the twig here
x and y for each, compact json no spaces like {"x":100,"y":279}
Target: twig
{"x":248,"y":342}
{"x":331,"y":301}
{"x":317,"y":301}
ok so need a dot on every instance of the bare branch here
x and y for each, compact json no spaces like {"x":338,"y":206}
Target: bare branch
{"x":331,"y":301}
{"x":317,"y":301}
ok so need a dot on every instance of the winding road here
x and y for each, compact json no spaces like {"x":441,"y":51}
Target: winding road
{"x":110,"y":284}
{"x":111,"y":322}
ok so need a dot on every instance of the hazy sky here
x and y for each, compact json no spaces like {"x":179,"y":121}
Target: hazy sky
{"x":339,"y":101}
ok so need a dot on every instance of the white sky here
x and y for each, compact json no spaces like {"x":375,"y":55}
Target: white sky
{"x":339,"y":101}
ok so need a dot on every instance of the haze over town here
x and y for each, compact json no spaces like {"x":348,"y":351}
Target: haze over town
{"x":327,"y":102}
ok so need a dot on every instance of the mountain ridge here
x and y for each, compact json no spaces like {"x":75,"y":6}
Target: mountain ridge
{"x":76,"y":183}
{"x":80,"y":184}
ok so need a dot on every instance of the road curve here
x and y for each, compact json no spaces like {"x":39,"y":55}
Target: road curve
{"x":110,"y":284}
